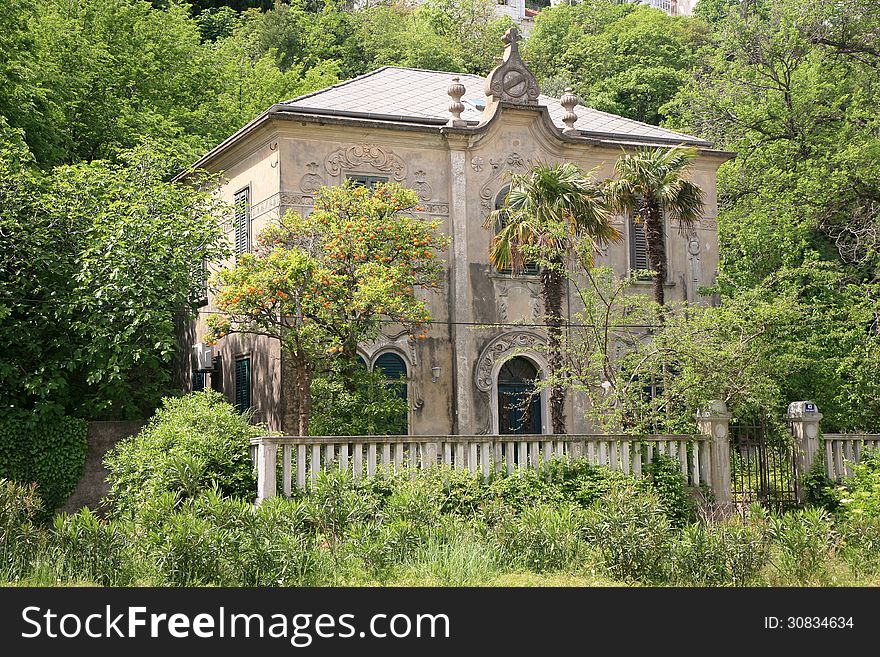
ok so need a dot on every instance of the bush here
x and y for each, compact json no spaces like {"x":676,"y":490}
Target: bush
{"x":860,"y":544}
{"x":722,"y":554}
{"x":356,"y":402}
{"x":861,"y":494}
{"x":89,"y":549}
{"x":19,"y":538}
{"x":581,"y":483}
{"x":802,"y":541}
{"x":47,"y":450}
{"x":544,"y":539}
{"x":630,"y":529}
{"x":192,"y":444}
{"x":663,"y":475}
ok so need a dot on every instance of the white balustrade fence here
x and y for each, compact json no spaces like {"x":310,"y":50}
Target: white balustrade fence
{"x":843,"y":450}
{"x":303,"y":457}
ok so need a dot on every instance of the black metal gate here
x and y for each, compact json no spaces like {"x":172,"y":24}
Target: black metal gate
{"x":762,"y":467}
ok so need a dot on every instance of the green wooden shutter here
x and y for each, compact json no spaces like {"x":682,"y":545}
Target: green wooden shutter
{"x":242,"y":204}
{"x":638,"y":245}
{"x":242,"y":384}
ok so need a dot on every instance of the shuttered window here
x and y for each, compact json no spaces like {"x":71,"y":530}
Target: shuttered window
{"x":392,"y":366}
{"x":198,"y":380}
{"x":367,"y":181}
{"x":242,"y":220}
{"x":242,"y":384}
{"x":638,"y":245}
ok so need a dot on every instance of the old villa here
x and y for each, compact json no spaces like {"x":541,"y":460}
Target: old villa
{"x":452,"y":138}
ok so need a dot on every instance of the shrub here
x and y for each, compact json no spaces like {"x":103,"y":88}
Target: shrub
{"x":581,"y":483}
{"x":192,"y":444}
{"x":544,"y":539}
{"x":19,"y":538}
{"x":860,"y":544}
{"x":526,"y":488}
{"x":722,"y":554}
{"x":861,"y":495}
{"x":93,"y":550}
{"x":663,"y":475}
{"x":352,"y":401}
{"x":47,"y":450}
{"x":802,"y":541}
{"x":630,"y":529}
{"x":336,"y":502}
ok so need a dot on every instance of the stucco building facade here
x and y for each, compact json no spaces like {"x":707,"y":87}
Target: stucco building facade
{"x":395,"y":124}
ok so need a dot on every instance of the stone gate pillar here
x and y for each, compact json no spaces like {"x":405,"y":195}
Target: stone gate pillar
{"x":714,"y":422}
{"x":803,"y":419}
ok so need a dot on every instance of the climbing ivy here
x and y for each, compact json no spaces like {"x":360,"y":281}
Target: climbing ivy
{"x":47,"y":450}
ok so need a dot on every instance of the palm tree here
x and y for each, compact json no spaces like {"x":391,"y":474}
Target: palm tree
{"x":651,"y":185}
{"x":546,"y":210}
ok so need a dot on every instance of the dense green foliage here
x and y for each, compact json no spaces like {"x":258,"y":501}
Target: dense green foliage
{"x":356,"y":403}
{"x":425,"y":529}
{"x":100,"y":267}
{"x":192,"y":444}
{"x":622,"y":58}
{"x":47,"y":451}
{"x":791,"y":87}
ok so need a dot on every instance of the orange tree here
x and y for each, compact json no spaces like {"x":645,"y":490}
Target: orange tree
{"x":325,"y":282}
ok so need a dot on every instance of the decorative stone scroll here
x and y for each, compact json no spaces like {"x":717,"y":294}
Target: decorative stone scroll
{"x":500,"y":348}
{"x":353,"y":157}
{"x":513,"y":162}
{"x":511,"y":80}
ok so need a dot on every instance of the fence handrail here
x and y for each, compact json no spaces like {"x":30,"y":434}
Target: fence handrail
{"x":507,"y":438}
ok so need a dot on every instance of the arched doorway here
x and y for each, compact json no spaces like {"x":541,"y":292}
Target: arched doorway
{"x":519,"y":406}
{"x":394,"y":369}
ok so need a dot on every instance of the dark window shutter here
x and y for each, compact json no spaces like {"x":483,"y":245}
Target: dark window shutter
{"x":392,"y":366}
{"x":198,"y":381}
{"x":638,"y":245}
{"x":242,"y":204}
{"x":242,"y":384}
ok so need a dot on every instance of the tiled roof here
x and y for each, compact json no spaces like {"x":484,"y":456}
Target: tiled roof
{"x":393,"y":92}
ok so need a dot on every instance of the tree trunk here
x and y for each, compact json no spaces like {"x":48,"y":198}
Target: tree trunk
{"x":296,"y":381}
{"x":653,"y":221}
{"x":552,"y":283}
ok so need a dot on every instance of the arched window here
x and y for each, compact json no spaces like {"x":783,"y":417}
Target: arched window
{"x":394,"y":369}
{"x":500,"y":203}
{"x":519,"y":405}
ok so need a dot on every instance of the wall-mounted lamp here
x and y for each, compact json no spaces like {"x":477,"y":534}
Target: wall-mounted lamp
{"x":435,"y":374}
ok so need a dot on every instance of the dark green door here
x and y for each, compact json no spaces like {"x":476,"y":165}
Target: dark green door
{"x":519,"y":405}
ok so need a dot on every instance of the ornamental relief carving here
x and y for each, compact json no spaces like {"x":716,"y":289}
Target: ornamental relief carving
{"x":356,"y":156}
{"x":421,"y":186}
{"x":518,"y":302}
{"x":515,"y":163}
{"x":312,"y":181}
{"x":501,"y":348}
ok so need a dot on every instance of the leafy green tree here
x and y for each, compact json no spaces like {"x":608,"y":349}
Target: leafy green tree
{"x":651,"y":185}
{"x":791,"y":88}
{"x":546,"y":210}
{"x":324,"y":283}
{"x":622,"y":58}
{"x":100,"y":267}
